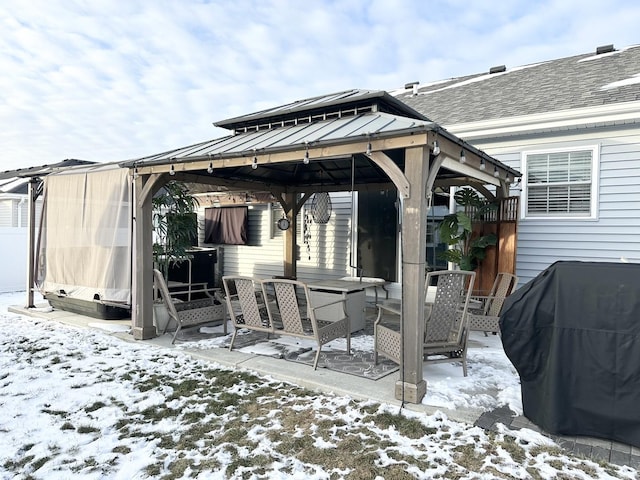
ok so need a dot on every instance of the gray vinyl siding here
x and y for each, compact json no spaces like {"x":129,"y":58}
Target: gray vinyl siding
{"x":614,"y":234}
{"x":329,"y":245}
{"x":14,"y":212}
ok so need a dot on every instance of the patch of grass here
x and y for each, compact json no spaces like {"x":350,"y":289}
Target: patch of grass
{"x":67,"y":426}
{"x":514,"y":449}
{"x":409,"y":427}
{"x":154,"y":381}
{"x":293,"y":445}
{"x":233,"y":435}
{"x":227,"y":379}
{"x":551,"y":451}
{"x":18,"y":464}
{"x":95,"y":406}
{"x":193,"y":417}
{"x":589,"y":470}
{"x":123,"y":449}
{"x":157,"y":413}
{"x":178,"y":467}
{"x":469,"y":457}
{"x":222,"y":401}
{"x":154,"y":469}
{"x":87,"y":429}
{"x":55,"y":360}
{"x":184,"y":388}
{"x":58,"y":413}
{"x":35,"y":465}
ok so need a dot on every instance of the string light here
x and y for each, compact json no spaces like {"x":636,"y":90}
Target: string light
{"x":305,"y":160}
{"x":172,"y":171}
{"x":436,"y":148}
{"x":496,"y":173}
{"x":368,"y":152}
{"x":210,"y":169}
{"x":254,"y":165}
{"x":463,"y":158}
{"x":482,"y":164}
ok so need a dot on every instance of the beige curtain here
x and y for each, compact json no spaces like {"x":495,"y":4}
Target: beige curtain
{"x":84,"y":247}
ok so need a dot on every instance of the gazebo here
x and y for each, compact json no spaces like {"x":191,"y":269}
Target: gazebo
{"x":353,"y":140}
{"x":357,"y":140}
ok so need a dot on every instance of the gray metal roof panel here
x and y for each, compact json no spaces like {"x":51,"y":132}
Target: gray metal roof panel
{"x":43,"y":170}
{"x":283,"y":138}
{"x":573,"y":82}
{"x":322,"y":103}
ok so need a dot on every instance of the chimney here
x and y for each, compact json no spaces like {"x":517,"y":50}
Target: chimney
{"x":498,"y":69}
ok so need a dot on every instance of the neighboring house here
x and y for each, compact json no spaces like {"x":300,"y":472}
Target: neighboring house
{"x":14,"y":201}
{"x":571,"y":126}
{"x":13,"y":234}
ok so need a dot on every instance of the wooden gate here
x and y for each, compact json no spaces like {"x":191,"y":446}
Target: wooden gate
{"x":502,"y":221}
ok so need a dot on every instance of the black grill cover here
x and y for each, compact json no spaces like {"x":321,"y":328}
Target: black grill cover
{"x":573,"y":335}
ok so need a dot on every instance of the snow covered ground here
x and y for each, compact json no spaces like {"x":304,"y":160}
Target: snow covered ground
{"x":82,"y":403}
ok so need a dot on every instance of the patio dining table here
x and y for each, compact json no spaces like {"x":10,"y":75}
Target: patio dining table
{"x":353,"y":291}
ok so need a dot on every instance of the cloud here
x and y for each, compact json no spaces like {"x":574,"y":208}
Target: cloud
{"x":116,"y":80}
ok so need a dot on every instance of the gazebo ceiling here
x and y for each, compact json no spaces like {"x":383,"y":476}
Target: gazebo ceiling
{"x":323,"y":143}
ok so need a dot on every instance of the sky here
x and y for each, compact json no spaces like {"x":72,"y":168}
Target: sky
{"x":114,"y":80}
{"x":86,"y":403}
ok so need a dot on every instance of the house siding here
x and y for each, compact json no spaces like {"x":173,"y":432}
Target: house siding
{"x":614,"y":234}
{"x":328,"y":250}
{"x":13,"y":239}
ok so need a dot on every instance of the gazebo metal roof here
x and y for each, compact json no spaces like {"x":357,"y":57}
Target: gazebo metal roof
{"x":313,"y":130}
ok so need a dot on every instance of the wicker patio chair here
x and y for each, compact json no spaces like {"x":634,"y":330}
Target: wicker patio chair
{"x":291,"y":305}
{"x":446,"y":332}
{"x":190,"y":313}
{"x":386,"y":337}
{"x":245,"y":305}
{"x":486,"y":319}
{"x":445,"y":336}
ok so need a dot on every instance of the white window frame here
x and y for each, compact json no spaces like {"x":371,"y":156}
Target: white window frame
{"x":595,"y":185}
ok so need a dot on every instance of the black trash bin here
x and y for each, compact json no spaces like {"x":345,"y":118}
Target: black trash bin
{"x":573,"y":335}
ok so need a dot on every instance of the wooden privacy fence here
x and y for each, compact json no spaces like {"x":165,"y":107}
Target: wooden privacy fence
{"x":502,"y":221}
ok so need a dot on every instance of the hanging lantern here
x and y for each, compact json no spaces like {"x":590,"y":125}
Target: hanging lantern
{"x":321,"y":207}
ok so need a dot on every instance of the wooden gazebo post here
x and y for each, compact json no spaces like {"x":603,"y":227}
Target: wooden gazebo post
{"x":142,"y":290}
{"x":412,"y":387}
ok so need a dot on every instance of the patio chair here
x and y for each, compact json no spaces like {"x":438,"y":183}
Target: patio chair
{"x":386,"y":338}
{"x":291,"y":306}
{"x":246,"y":305}
{"x":446,"y":331}
{"x":486,"y":318}
{"x":190,"y":313}
{"x":445,"y":336}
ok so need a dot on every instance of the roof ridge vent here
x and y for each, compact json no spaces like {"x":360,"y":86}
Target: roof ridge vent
{"x":498,"y":69}
{"x":605,"y":49}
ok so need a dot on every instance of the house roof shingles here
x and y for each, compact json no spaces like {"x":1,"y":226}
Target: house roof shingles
{"x":586,"y":80}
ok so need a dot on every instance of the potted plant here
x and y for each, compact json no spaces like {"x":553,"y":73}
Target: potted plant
{"x":174,"y":232}
{"x":456,"y":230}
{"x":174,"y":225}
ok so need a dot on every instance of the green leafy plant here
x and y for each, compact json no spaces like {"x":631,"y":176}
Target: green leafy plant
{"x":174,"y":225}
{"x":456,"y":230}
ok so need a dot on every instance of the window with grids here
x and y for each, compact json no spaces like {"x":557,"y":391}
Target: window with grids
{"x":560,"y":184}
